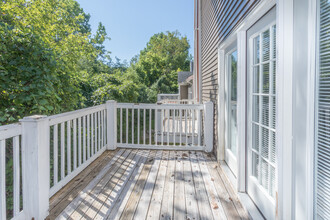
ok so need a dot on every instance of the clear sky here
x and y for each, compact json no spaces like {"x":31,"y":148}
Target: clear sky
{"x":131,"y":23}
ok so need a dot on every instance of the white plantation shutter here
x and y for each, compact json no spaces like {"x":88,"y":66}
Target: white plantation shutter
{"x":322,"y":195}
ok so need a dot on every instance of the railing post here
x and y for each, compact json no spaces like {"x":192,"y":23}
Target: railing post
{"x":35,"y":166}
{"x":112,"y":124}
{"x":208,"y":126}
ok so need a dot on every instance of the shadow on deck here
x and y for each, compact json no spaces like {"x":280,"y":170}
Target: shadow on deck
{"x":149,"y":184}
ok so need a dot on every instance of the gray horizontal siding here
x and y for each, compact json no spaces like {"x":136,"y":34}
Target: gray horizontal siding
{"x":218,"y":19}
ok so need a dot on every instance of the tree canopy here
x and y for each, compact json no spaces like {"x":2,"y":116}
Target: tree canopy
{"x":44,"y":45}
{"x":50,"y":62}
{"x":158,"y":63}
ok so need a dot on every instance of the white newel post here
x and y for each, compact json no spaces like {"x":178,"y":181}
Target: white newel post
{"x":208,"y":126}
{"x":112,"y":124}
{"x":35,"y":165}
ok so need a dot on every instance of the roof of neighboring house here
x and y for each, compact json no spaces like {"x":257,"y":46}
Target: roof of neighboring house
{"x":190,"y":79}
{"x":183,"y":76}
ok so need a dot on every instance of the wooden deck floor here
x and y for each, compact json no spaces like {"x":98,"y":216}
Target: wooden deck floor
{"x":144,"y":184}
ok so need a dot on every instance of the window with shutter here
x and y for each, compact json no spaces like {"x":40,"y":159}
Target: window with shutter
{"x":322,"y":180}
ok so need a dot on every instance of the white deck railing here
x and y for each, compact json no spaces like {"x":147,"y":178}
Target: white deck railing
{"x":10,"y":138}
{"x":161,"y":97}
{"x":155,"y":126}
{"x":178,"y":101}
{"x":76,"y":139}
{"x":55,"y":149}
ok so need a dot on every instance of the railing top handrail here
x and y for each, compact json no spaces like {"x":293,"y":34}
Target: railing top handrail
{"x":160,"y":106}
{"x":179,"y":100}
{"x":59,"y":118}
{"x":168,"y":94}
{"x":9,"y":131}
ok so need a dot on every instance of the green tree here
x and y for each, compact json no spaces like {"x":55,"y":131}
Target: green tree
{"x":157,"y":64}
{"x":47,"y":53}
{"x":120,"y":86}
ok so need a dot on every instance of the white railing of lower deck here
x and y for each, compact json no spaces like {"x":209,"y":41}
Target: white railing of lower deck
{"x":48,"y":152}
{"x":161,"y":97}
{"x":155,"y":126}
{"x":76,"y":139}
{"x":178,"y":101}
{"x":10,"y":160}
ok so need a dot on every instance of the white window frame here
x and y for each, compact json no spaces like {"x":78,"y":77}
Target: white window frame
{"x":260,"y":192}
{"x":227,"y":48}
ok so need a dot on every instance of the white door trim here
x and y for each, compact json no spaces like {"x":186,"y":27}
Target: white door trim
{"x":230,"y":158}
{"x":241,"y":110}
{"x":313,"y":66}
{"x":285,"y":39}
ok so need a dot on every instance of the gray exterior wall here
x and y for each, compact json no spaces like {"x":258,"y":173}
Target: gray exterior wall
{"x":218,"y":20}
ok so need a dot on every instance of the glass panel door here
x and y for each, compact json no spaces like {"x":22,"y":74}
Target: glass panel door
{"x":231,"y":101}
{"x":261,"y":123}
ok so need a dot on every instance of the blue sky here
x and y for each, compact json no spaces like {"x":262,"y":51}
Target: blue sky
{"x":131,"y":23}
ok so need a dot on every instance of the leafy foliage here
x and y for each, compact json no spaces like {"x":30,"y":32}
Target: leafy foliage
{"x":158,"y":63}
{"x":44,"y":47}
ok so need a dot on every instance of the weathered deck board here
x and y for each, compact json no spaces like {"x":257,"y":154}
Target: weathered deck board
{"x":204,"y":206}
{"x":116,"y":171}
{"x":179,"y":192}
{"x":225,"y":199}
{"x":65,"y":214}
{"x":97,"y":205}
{"x":133,"y":201}
{"x":142,"y":184}
{"x":190,"y":193}
{"x":116,"y":210}
{"x":114,"y":197}
{"x":228,"y":187}
{"x":143,"y":205}
{"x":214,"y":199}
{"x":167,"y":203}
{"x":65,"y":196}
{"x":157,"y":196}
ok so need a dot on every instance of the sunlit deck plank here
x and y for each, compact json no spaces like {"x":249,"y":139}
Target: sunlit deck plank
{"x":133,"y":201}
{"x":201,"y":194}
{"x":136,"y":184}
{"x":214,"y":199}
{"x":241,"y":211}
{"x":143,"y":205}
{"x":226,"y":200}
{"x":190,"y":194}
{"x":125,"y":169}
{"x":114,"y":196}
{"x":116,"y":171}
{"x":167,"y":203}
{"x":157,"y":196}
{"x":65,"y":214}
{"x":179,"y":192}
{"x":117,"y":209}
{"x":68,"y":193}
